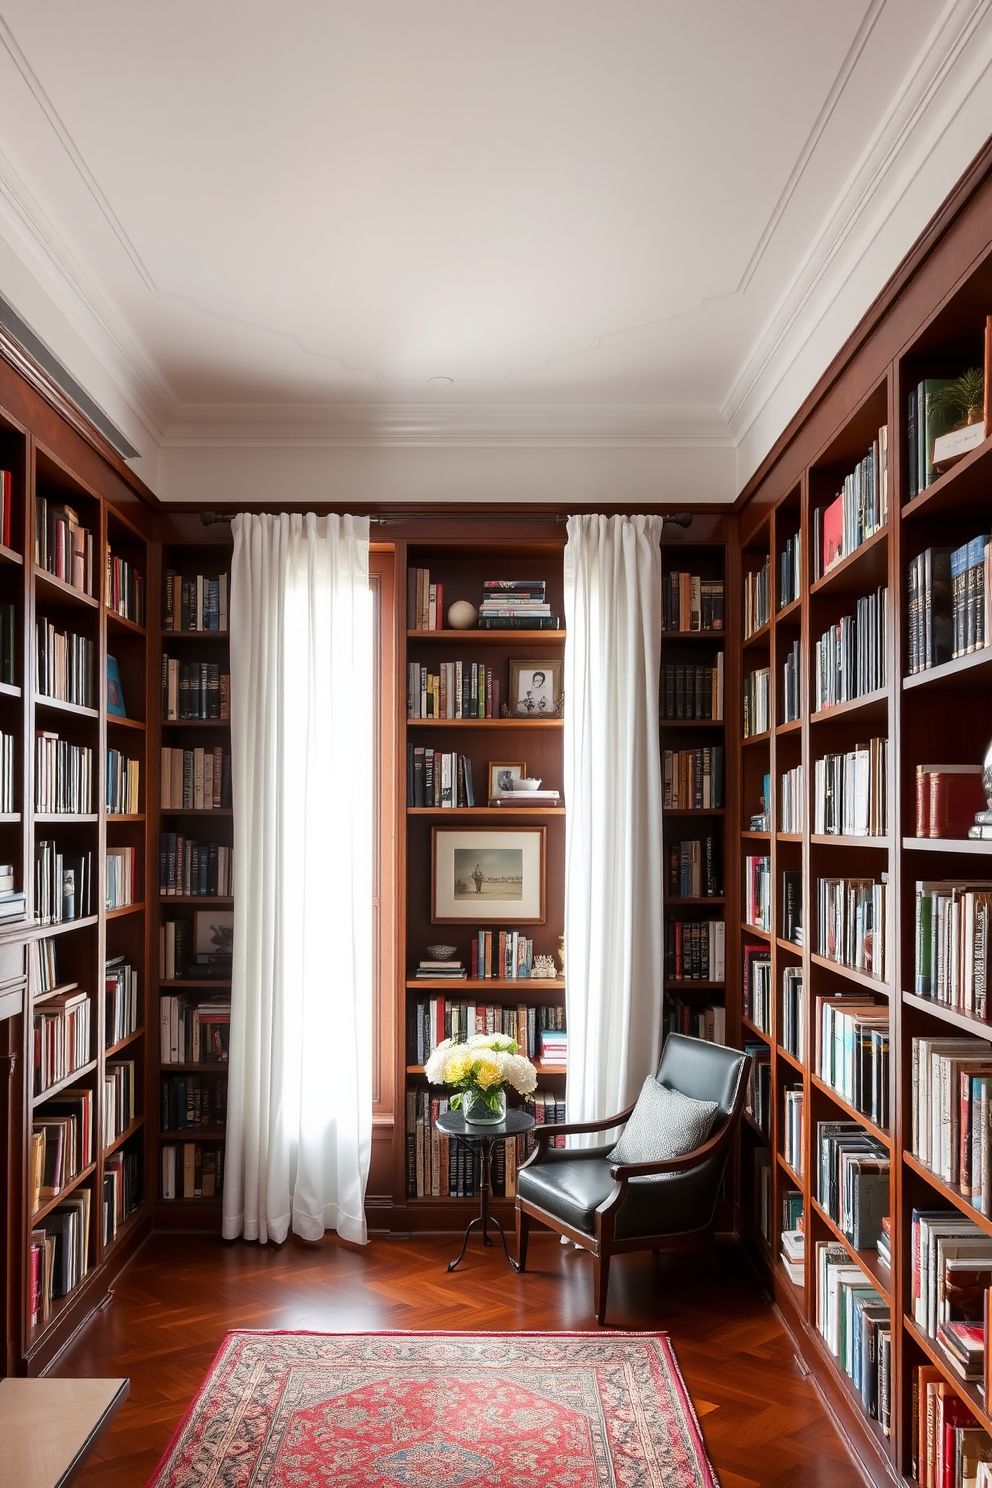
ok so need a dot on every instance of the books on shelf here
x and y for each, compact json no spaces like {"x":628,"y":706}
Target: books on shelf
{"x":123,"y":1000}
{"x":757,"y":702}
{"x":194,"y":868}
{"x":523,"y":800}
{"x":951,"y":1269}
{"x":6,"y":506}
{"x":501,"y":953}
{"x":123,"y":777}
{"x":194,"y":690}
{"x":118,"y":1099}
{"x":458,"y":689}
{"x":435,"y":970}
{"x":59,"y":1258}
{"x":195,"y":780}
{"x":792,"y":815}
{"x":192,"y":1170}
{"x":853,"y":1052}
{"x":197,"y":603}
{"x":709,"y":1023}
{"x":63,"y":775}
{"x":192,"y":1032}
{"x":951,"y":939}
{"x":757,"y":597}
{"x":121,"y":1190}
{"x":792,"y":705}
{"x":757,"y":891}
{"x":691,"y":603}
{"x":125,"y":589}
{"x":43,"y":967}
{"x":65,"y":665}
{"x":63,"y":884}
{"x":62,"y":545}
{"x":193,"y":1102}
{"x":793,"y":1012}
{"x":926,"y":422}
{"x":758,"y":1097}
{"x":693,"y":779}
{"x":761,"y":820}
{"x":947,"y":1445}
{"x":790,"y":583}
{"x":437,"y":1017}
{"x":120,"y":877}
{"x":852,"y":923}
{"x":850,"y":791}
{"x":948,"y":797}
{"x":757,"y":963}
{"x":695,"y":951}
{"x":62,"y":1037}
{"x":792,"y":1128}
{"x":950,"y":1113}
{"x":850,"y":655}
{"x":793,"y":1252}
{"x":62,"y":1143}
{"x":439,"y":778}
{"x":857,"y":512}
{"x":792,"y":906}
{"x":692,"y":692}
{"x":853,"y":1320}
{"x":694,"y":869}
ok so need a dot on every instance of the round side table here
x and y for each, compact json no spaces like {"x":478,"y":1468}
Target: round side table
{"x":481,"y":1141}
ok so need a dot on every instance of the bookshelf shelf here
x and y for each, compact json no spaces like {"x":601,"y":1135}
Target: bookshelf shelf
{"x":520,"y":724}
{"x":852,"y":1111}
{"x":125,"y":1136}
{"x":868,"y":1260}
{"x":761,"y":1033}
{"x":759,"y":1131}
{"x":949,"y":1191}
{"x":690,"y":723}
{"x":8,"y":555}
{"x":788,"y":945}
{"x":60,"y":591}
{"x":66,"y":1189}
{"x":967,"y":1022}
{"x":872,"y":707}
{"x":199,"y":900}
{"x":501,"y":637}
{"x":492,"y":984}
{"x":974,"y":846}
{"x":218,"y":811}
{"x":794,"y":726}
{"x":113,"y":1050}
{"x":122,"y":623}
{"x":209,"y":637}
{"x":870,"y":983}
{"x":691,"y":635}
{"x":695,"y":811}
{"x":62,"y":927}
{"x":753,"y":739}
{"x":791,"y":611}
{"x":674,"y":985}
{"x":790,"y":1059}
{"x":698,"y":899}
{"x":126,"y":723}
{"x":971,"y":671}
{"x":489,"y":813}
{"x":758,"y":637}
{"x":125,"y":909}
{"x":9,"y":689}
{"x":788,"y":836}
{"x":968,"y":1389}
{"x":790,"y":1172}
{"x":956,"y":487}
{"x":866,"y":568}
{"x":755,"y":930}
{"x":836,"y":839}
{"x":42,"y":701}
{"x":78,"y":1077}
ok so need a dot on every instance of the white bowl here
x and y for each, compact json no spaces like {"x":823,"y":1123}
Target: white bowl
{"x":527,"y":784}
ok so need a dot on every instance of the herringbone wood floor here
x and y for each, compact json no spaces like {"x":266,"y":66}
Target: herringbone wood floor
{"x":764,"y":1423}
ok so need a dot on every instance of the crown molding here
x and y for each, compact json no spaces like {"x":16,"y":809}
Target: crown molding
{"x":268,"y":426}
{"x":934,"y":90}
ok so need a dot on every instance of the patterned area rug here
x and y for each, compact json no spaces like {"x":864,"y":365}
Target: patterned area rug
{"x":440,"y":1410}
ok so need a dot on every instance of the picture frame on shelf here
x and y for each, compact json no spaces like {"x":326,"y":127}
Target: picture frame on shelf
{"x":213,"y":933}
{"x":502,"y":774}
{"x":535,"y":689}
{"x":488,"y":875}
{"x":115,"y":693}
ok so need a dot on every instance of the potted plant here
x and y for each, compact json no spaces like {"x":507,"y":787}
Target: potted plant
{"x":479,"y":1071}
{"x":958,"y":405}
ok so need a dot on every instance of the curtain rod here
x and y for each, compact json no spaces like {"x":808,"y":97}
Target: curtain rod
{"x":673,"y":519}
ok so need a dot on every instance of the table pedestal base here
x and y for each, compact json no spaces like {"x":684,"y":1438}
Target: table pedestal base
{"x":484,"y":1217}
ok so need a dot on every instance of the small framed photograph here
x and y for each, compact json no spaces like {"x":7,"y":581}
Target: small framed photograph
{"x":535,"y":689}
{"x":488,"y":875}
{"x":502,"y":774}
{"x":213,"y":934}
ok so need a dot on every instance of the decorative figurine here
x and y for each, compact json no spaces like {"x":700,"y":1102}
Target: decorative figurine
{"x":544,"y":966}
{"x":561,"y":951}
{"x":983,"y":819}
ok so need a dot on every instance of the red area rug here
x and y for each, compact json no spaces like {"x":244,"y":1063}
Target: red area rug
{"x":440,"y":1410}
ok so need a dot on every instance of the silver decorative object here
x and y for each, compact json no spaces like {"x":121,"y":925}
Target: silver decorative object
{"x":544,"y":966}
{"x":983,"y":819}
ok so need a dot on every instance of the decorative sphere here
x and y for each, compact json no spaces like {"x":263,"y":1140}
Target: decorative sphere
{"x":462,"y":615}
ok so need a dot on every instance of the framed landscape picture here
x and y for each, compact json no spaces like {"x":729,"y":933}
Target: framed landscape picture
{"x":488,"y":875}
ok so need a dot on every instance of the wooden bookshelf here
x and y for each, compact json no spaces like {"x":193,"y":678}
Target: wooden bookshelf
{"x":925,"y":324}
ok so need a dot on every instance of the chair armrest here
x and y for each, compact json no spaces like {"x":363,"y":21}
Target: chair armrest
{"x":682,"y":1164}
{"x":546,"y":1133}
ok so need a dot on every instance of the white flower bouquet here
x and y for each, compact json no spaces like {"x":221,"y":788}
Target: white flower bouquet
{"x":480,"y":1071}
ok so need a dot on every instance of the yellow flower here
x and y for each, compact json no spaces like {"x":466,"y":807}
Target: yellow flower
{"x":487,"y":1073}
{"x":457,"y":1065}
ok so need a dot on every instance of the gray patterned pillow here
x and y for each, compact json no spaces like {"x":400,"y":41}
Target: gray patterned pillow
{"x":664,"y":1123}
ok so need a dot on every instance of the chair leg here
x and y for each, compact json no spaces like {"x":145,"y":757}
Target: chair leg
{"x":523,"y":1235}
{"x":601,"y":1281}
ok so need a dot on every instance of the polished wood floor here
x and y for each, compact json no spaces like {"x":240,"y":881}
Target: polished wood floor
{"x":764,"y":1422}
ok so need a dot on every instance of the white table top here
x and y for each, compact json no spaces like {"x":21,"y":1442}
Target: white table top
{"x":48,"y":1427}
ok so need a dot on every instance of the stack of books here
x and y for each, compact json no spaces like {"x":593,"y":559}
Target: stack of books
{"x":794,"y":1254}
{"x":948,"y":798}
{"x":432,"y":970}
{"x":529,"y":798}
{"x":554,"y":1046}
{"x":515,"y":604}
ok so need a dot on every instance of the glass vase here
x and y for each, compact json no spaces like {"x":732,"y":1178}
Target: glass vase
{"x":478,"y":1111}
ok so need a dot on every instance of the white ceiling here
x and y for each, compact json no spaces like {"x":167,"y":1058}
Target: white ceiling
{"x":287,"y":214}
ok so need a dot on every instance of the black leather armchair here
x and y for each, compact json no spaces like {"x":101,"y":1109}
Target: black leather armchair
{"x":608,"y":1208}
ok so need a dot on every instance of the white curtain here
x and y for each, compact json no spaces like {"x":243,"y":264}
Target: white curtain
{"x":614,"y":945}
{"x":299,"y":1128}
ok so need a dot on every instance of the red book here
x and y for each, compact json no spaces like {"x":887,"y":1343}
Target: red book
{"x":956,"y":794}
{"x":833,"y":533}
{"x":8,"y":500}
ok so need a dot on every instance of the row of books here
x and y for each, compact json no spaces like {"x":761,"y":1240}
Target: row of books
{"x":695,"y":951}
{"x":122,"y":1002}
{"x":858,"y":511}
{"x":757,"y":597}
{"x":125,"y":589}
{"x":197,"y":603}
{"x":6,"y":507}
{"x":792,"y":813}
{"x":123,"y":784}
{"x":501,"y":953}
{"x":437,"y":1018}
{"x":194,"y":868}
{"x":849,"y":657}
{"x":850,"y":791}
{"x":7,"y":759}
{"x":438,"y":778}
{"x":950,"y":1112}
{"x":851,"y":923}
{"x":177,"y":959}
{"x":8,"y":644}
{"x":59,"y":1256}
{"x":948,"y":1448}
{"x":118,"y":1099}
{"x":65,"y":665}
{"x":692,"y":779}
{"x":61,"y":1144}
{"x":63,"y":884}
{"x":62,"y":546}
{"x":757,"y":891}
{"x":792,"y":906}
{"x":43,"y":967}
{"x":757,"y":965}
{"x":121,"y":1190}
{"x":790,"y":581}
{"x":195,"y":780}
{"x":691,"y":602}
{"x":694,"y":869}
{"x":951,"y":1270}
{"x":62,"y":1039}
{"x":194,"y":690}
{"x":709,"y":1023}
{"x":194,"y":1033}
{"x":63,"y":775}
{"x":439,"y":1168}
{"x":793,"y":1012}
{"x":760,"y":820}
{"x":193,"y":1102}
{"x":120,"y":876}
{"x":853,"y":1052}
{"x":458,"y":689}
{"x":952,"y":943}
{"x":792,"y":693}
{"x":192,"y":1170}
{"x":758,"y":1097}
{"x":515,"y":604}
{"x":792,"y":1127}
{"x":928,"y":419}
{"x":971,"y":572}
{"x":792,"y":1249}
{"x":757,"y":702}
{"x":854,"y":1322}
{"x":692,"y":692}
{"x":948,"y":798}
